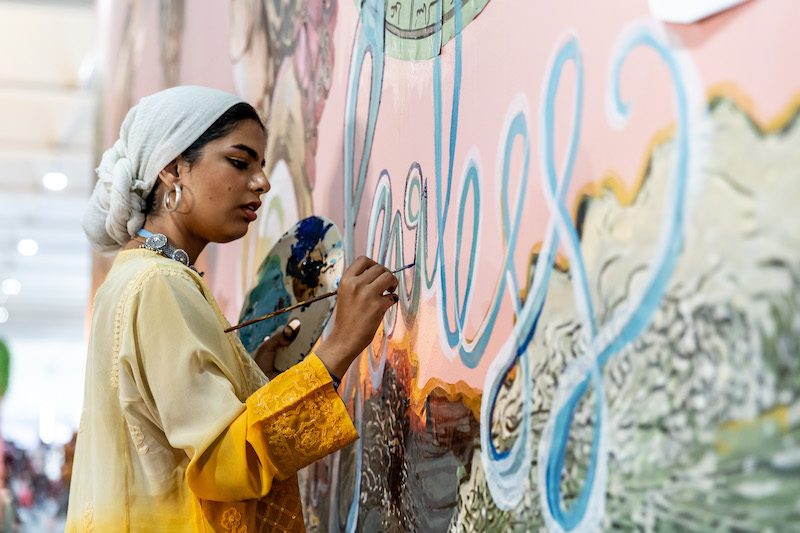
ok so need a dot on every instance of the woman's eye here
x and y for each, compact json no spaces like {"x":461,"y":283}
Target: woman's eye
{"x":238,"y":163}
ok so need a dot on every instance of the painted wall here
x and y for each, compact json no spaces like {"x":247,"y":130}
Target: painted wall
{"x":602,"y":329}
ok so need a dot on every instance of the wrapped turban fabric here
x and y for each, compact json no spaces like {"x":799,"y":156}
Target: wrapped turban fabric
{"x":155,"y":131}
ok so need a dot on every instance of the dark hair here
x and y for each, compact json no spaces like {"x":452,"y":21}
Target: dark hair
{"x":220,"y":128}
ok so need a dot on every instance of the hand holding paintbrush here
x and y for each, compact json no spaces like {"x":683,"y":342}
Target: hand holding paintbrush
{"x":298,"y":305}
{"x":365,"y":292}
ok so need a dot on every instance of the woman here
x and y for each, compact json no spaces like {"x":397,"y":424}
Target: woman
{"x":180,"y":429}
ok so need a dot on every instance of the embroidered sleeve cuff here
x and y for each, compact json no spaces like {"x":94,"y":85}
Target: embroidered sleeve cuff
{"x":298,"y":417}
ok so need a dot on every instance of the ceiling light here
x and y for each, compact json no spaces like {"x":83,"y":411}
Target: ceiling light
{"x":27,"y":247}
{"x":55,"y":181}
{"x":3,"y":315}
{"x":11,"y":286}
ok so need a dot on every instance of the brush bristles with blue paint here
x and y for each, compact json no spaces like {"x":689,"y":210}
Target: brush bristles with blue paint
{"x":300,"y":304}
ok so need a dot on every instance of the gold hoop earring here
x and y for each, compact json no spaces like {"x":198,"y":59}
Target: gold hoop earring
{"x":168,"y":204}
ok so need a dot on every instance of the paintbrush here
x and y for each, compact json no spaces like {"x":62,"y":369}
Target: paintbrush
{"x":300,"y":304}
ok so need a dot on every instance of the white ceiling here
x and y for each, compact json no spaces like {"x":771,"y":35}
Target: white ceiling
{"x":47,"y":118}
{"x":47,"y":109}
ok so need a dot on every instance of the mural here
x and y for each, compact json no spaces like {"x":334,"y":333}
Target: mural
{"x":417,"y":29}
{"x":619,"y":397}
{"x":601,"y":332}
{"x":171,"y":21}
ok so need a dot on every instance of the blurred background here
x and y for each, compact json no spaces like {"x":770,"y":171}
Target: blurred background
{"x":48,"y":97}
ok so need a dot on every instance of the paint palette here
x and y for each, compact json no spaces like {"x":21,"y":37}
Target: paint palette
{"x":307,"y":261}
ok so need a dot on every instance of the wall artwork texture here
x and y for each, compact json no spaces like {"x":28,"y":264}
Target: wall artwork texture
{"x":602,"y":331}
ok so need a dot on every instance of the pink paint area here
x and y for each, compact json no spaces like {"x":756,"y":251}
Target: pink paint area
{"x":507,"y":53}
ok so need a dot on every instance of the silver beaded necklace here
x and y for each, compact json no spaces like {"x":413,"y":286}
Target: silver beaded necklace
{"x":158,"y":243}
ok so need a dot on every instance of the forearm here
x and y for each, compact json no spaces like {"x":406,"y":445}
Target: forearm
{"x":336,"y":358}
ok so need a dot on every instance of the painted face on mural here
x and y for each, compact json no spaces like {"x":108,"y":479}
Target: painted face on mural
{"x":222,"y":188}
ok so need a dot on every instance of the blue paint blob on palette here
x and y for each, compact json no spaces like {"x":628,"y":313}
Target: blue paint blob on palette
{"x":305,"y":262}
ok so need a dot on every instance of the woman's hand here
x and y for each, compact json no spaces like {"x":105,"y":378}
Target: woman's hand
{"x":264,"y":355}
{"x":366,"y":292}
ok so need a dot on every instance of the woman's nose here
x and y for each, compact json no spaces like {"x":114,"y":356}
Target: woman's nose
{"x":259,"y":182}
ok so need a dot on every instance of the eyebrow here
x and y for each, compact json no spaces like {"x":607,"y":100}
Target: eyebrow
{"x":249,"y":151}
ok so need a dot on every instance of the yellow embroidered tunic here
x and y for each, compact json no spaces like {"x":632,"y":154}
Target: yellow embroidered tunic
{"x":179,"y":430}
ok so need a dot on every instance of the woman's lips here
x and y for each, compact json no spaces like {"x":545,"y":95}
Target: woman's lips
{"x":250,"y":212}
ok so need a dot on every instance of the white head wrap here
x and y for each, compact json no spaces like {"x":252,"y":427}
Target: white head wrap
{"x":155,"y":131}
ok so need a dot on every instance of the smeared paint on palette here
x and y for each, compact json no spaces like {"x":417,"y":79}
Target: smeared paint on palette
{"x":305,"y":262}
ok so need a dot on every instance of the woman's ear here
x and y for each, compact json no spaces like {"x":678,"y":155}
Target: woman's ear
{"x":169,"y":174}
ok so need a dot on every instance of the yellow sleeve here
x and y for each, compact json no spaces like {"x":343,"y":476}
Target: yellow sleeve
{"x":289,"y":423}
{"x":179,"y":371}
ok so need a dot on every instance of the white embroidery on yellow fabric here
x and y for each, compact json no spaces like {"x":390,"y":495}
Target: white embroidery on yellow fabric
{"x":88,"y":518}
{"x":138,"y":439}
{"x":114,"y":378}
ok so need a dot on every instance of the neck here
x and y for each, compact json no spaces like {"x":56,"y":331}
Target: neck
{"x":177,"y":236}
